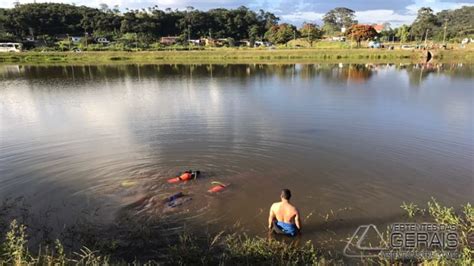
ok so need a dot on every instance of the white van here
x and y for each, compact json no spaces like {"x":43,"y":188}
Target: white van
{"x":10,"y":47}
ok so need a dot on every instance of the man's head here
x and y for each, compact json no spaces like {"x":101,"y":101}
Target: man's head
{"x":285,"y":194}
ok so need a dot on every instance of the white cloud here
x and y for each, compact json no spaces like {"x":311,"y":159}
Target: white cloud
{"x":384,"y":15}
{"x":300,"y":17}
{"x":436,"y":5}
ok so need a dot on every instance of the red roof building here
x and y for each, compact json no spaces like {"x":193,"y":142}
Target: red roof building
{"x":378,"y":27}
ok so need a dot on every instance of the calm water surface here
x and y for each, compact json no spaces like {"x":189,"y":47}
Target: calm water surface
{"x":353,"y":141}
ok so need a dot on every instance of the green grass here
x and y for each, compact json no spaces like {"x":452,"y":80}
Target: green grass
{"x":235,"y":249}
{"x":463,"y":220}
{"x":411,"y":209}
{"x":236,"y":55}
{"x":232,"y":249}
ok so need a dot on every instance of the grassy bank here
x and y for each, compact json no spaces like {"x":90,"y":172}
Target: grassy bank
{"x":237,"y":249}
{"x":230,"y":55}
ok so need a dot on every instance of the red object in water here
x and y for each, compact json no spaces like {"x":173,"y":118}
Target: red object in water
{"x":184,"y":177}
{"x":174,"y":180}
{"x":217,"y":188}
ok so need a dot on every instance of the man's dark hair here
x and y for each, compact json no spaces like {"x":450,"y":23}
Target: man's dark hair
{"x":286,"y":194}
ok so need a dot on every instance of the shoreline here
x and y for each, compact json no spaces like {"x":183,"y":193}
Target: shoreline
{"x":236,"y":56}
{"x":93,"y":246}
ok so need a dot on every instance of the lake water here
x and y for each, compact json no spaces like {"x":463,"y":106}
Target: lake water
{"x":352,"y":142}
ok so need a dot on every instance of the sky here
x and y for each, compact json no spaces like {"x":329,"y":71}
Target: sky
{"x":396,"y":12}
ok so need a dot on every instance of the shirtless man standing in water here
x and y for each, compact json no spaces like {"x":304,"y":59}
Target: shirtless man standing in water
{"x":284,"y":218}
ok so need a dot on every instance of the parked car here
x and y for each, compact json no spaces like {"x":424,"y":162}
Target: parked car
{"x":102,"y":40}
{"x":76,"y":39}
{"x":10,"y":47}
{"x":407,"y":47}
{"x":263,"y":44}
{"x":375,"y":44}
{"x":466,"y":41}
{"x":338,"y":39}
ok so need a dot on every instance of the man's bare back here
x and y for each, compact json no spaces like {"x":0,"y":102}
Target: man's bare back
{"x":284,"y":213}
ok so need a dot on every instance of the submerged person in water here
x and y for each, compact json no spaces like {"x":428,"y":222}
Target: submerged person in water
{"x":284,"y":218}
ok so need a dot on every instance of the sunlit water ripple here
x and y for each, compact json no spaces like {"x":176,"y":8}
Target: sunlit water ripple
{"x":356,"y":138}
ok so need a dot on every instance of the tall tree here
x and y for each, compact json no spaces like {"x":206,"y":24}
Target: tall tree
{"x":45,"y":18}
{"x":311,"y":32}
{"x":425,"y":24}
{"x":360,"y":33}
{"x":402,"y":33}
{"x":337,"y":18}
{"x":61,"y":19}
{"x":254,"y":34}
{"x":194,"y":23}
{"x":387,"y":34}
{"x":281,"y":33}
{"x":3,"y":18}
{"x":4,"y":35}
{"x":459,"y":23}
{"x":267,"y":20}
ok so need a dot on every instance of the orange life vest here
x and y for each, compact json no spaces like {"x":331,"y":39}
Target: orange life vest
{"x":217,"y":188}
{"x":186,"y":176}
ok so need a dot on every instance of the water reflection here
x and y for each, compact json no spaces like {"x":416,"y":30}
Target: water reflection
{"x":341,"y":73}
{"x":361,"y":136}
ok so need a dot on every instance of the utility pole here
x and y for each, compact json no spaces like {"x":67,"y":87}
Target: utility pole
{"x":426,"y":36}
{"x":69,"y":42}
{"x":189,"y":33}
{"x":445,"y":28}
{"x":309,"y":39}
{"x":189,"y":37}
{"x":136,"y":41}
{"x":85,"y":36}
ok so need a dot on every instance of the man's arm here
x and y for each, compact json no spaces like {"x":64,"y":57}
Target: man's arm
{"x":298,"y":220}
{"x":271,"y":217}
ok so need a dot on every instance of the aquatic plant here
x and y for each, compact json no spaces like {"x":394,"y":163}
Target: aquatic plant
{"x":240,"y":249}
{"x":463,"y":220}
{"x":230,"y":248}
{"x":13,"y":249}
{"x":411,"y":209}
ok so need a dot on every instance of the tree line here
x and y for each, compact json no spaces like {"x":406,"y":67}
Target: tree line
{"x":46,"y":21}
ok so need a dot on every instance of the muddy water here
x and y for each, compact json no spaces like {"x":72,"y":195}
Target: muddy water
{"x":351,"y":141}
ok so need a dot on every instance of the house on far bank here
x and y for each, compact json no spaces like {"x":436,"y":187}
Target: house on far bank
{"x":209,"y":41}
{"x":216,"y":42}
{"x":262,"y":44}
{"x":197,"y":42}
{"x":243,"y":43}
{"x":222,"y":42}
{"x":338,"y":38}
{"x":170,"y":40}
